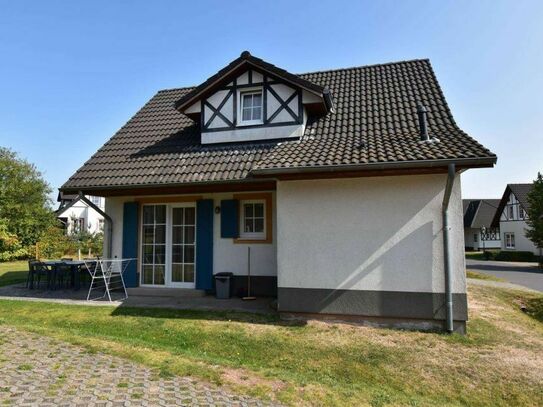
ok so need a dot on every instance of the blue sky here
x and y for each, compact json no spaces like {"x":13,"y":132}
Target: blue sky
{"x":72,"y":73}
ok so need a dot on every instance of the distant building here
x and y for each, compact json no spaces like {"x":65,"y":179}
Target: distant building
{"x":479,"y":233}
{"x":511,"y":218}
{"x":76,"y":215}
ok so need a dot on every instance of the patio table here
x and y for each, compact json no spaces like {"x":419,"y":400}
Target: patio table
{"x":74,"y":265}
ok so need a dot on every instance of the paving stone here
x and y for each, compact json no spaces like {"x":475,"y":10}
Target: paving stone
{"x":60,"y":374}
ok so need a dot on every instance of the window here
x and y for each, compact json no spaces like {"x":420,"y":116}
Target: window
{"x":475,"y":237}
{"x":255,"y":217}
{"x":100,"y":225}
{"x":510,"y":212}
{"x":251,"y":107}
{"x":521,"y":213}
{"x":509,"y":240}
{"x":96,"y":200}
{"x":78,"y":225}
{"x":252,"y":219}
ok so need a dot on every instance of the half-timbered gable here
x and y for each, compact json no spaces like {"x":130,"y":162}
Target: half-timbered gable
{"x":254,"y":100}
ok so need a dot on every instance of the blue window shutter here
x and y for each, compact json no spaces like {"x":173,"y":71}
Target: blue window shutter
{"x":229,"y":218}
{"x":130,"y":242}
{"x":204,"y":244}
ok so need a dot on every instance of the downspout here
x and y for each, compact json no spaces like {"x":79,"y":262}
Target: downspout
{"x":108,"y":219}
{"x":447,"y":254}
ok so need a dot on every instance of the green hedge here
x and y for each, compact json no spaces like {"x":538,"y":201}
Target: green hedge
{"x":515,"y":256}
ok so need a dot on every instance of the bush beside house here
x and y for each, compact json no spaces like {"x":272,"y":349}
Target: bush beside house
{"x":28,"y":225}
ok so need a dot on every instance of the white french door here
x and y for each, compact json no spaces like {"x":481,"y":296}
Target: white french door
{"x":168,"y":247}
{"x":182,"y":250}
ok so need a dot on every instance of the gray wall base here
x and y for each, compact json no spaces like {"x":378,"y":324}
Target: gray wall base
{"x":382,"y":304}
{"x":261,"y":286}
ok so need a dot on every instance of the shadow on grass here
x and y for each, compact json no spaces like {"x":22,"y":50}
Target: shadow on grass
{"x":13,"y":277}
{"x":214,"y":315}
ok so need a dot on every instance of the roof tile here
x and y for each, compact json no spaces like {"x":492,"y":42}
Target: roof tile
{"x":375,"y":120}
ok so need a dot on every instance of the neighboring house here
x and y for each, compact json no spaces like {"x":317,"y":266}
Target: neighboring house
{"x":511,"y":218}
{"x":478,"y":231}
{"x":76,"y":215}
{"x":336,"y":181}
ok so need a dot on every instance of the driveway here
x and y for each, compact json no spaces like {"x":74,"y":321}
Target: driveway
{"x":525,"y":274}
{"x":40,"y":371}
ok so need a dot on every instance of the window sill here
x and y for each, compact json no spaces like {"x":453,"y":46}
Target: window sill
{"x":250,"y":123}
{"x":242,"y":240}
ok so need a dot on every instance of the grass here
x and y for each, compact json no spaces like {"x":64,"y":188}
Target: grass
{"x":483,"y":276}
{"x":498,"y":363}
{"x":13,"y":272}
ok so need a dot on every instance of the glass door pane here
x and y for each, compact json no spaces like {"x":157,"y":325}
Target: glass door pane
{"x":183,"y":243}
{"x":153,"y":245}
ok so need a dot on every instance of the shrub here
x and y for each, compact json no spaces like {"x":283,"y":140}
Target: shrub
{"x":54,"y":244}
{"x":515,"y":256}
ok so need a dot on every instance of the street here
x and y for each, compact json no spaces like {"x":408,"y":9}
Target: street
{"x":525,"y":274}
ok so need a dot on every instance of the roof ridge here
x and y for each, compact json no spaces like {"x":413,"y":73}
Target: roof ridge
{"x":405,"y":61}
{"x":172,"y":89}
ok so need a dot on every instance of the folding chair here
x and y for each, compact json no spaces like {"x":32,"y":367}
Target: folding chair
{"x":107,"y":275}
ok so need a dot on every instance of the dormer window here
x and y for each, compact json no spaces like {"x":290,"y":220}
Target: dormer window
{"x":250,"y":107}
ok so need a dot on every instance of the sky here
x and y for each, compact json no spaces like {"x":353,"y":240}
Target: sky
{"x":73,"y":72}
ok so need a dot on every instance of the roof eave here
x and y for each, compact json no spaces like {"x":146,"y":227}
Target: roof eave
{"x":464,"y":163}
{"x":189,"y":99}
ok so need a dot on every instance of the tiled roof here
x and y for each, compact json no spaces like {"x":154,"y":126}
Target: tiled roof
{"x":520,"y":191}
{"x":375,"y":122}
{"x":483,"y":213}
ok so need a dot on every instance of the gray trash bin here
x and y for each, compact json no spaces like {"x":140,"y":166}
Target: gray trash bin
{"x":223,"y":285}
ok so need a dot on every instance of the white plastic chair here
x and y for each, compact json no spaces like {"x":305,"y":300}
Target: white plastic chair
{"x":107,"y":275}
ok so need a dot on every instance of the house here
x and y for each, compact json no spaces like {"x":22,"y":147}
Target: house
{"x":344,"y":184}
{"x":478,"y":232}
{"x":76,"y":215}
{"x":511,"y":218}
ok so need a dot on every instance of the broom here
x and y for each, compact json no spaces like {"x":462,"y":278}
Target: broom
{"x":248,"y":276}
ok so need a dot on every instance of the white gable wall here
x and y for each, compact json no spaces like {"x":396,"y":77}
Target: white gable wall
{"x":218,"y":131}
{"x":82,"y":210}
{"x":517,"y":226}
{"x":382,"y":234}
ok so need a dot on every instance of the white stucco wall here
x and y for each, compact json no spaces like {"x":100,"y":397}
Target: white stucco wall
{"x":227,"y":255}
{"x":382,"y":233}
{"x":522,"y":243}
{"x":478,"y":245}
{"x":82,"y":210}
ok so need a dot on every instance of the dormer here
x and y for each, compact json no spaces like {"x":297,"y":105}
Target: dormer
{"x":251,"y":99}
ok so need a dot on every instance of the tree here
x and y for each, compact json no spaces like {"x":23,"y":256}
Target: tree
{"x":535,"y":212}
{"x":25,"y":212}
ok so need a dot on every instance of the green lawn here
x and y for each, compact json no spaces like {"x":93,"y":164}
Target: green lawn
{"x":13,"y":272}
{"x":498,"y":363}
{"x":482,"y":276}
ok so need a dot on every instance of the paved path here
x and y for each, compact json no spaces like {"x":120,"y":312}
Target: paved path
{"x":39,"y":371}
{"x":525,"y":274}
{"x":170,"y":299}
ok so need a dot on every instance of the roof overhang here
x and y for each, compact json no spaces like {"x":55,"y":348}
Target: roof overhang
{"x":236,"y":67}
{"x":264,"y":179}
{"x":461,"y":164}
{"x":496,"y":221}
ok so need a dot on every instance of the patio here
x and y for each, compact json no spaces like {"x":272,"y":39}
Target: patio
{"x":142,"y":297}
